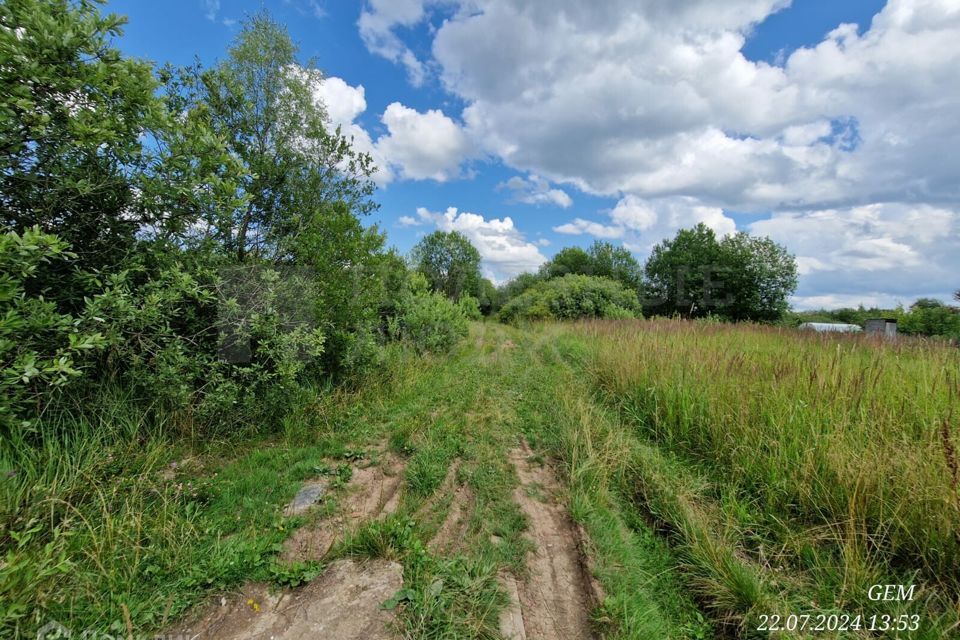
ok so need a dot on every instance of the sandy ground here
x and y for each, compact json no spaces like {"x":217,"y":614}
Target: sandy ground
{"x":343,"y":604}
{"x":555,"y":599}
{"x":551,"y":602}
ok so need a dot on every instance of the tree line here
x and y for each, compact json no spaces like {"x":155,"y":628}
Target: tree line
{"x":694,"y":274}
{"x":736,"y":278}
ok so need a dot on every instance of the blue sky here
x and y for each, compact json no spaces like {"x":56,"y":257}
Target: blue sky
{"x":531,"y":125}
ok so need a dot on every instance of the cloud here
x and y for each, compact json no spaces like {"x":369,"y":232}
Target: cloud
{"x":897,"y":251}
{"x":503,"y":248}
{"x":316,"y":9}
{"x":632,"y":213}
{"x":423,"y":146}
{"x":416,"y":146}
{"x":659,"y":101}
{"x":376,"y":24}
{"x":344,"y":104}
{"x":868,"y":299}
{"x":211,"y":9}
{"x":654,"y":104}
{"x":535,"y":190}
{"x":641,"y":224}
{"x":579,"y":226}
{"x":409,"y":221}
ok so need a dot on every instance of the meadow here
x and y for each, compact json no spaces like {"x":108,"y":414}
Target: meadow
{"x":793,"y":470}
{"x":722,"y":474}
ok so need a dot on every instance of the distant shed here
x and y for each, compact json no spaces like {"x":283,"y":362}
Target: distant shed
{"x":886,"y":327}
{"x":837,"y":327}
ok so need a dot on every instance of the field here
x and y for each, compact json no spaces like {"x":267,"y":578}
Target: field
{"x":714,"y":475}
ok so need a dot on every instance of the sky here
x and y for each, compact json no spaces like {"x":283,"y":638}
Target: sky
{"x":531,"y":125}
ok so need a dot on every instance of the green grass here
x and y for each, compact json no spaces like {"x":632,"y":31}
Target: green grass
{"x":790,"y":472}
{"x":97,"y":523}
{"x":720,"y":473}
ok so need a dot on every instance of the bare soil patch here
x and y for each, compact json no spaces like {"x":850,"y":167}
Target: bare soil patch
{"x":556,"y":597}
{"x":344,"y":603}
{"x":373,"y":492}
{"x":450,"y":537}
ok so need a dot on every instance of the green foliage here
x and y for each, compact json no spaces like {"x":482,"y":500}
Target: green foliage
{"x":39,"y":346}
{"x":568,"y":260}
{"x":449,"y":262}
{"x":929,"y":317}
{"x":342,"y":264}
{"x":470,"y":307}
{"x":572,"y":297}
{"x":602,"y":259}
{"x":211,"y":345}
{"x":261,"y":102}
{"x":487,"y":297}
{"x":757,"y":276}
{"x":428,"y":320}
{"x":515,"y":287}
{"x":616,"y":263}
{"x":96,"y":167}
{"x":737,"y":278}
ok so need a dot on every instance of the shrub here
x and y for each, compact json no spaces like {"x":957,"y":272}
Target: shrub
{"x":470,"y":307}
{"x":39,"y":346}
{"x":570,"y":297}
{"x":206,"y":343}
{"x":428,"y":320}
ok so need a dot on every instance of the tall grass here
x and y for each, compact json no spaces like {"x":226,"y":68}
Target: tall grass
{"x":110,"y":511}
{"x":836,"y":453}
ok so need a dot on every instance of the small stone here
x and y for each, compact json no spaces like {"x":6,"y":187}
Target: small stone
{"x":309,"y":494}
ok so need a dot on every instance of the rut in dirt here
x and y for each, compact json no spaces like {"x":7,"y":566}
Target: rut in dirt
{"x":345,"y":602}
{"x":554,"y":601}
{"x":373,"y":492}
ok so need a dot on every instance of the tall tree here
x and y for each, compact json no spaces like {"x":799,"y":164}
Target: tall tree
{"x":680,"y":271}
{"x":756,"y":277}
{"x":450,"y":263}
{"x":568,"y":260}
{"x":616,"y":263}
{"x":601,"y":259}
{"x":263,"y":102}
{"x":739,"y":277}
{"x":89,"y":149}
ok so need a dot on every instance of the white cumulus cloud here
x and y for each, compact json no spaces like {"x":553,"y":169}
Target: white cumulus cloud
{"x":655,"y":104}
{"x":416,"y":146}
{"x":423,"y":146}
{"x":535,"y":190}
{"x":894,"y":251}
{"x":641,"y":224}
{"x":376,"y":25}
{"x":505,"y":251}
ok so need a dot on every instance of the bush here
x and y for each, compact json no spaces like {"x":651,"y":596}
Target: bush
{"x":570,"y":297}
{"x":470,"y":307}
{"x":428,"y":320}
{"x":206,"y":343}
{"x":39,"y":346}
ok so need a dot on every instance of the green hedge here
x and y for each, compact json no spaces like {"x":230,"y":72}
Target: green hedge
{"x":571,"y":297}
